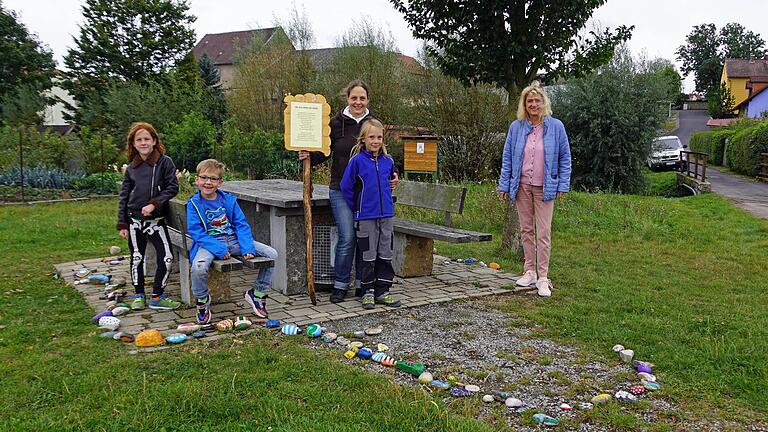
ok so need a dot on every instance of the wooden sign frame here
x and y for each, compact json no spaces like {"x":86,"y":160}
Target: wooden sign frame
{"x":306,"y":102}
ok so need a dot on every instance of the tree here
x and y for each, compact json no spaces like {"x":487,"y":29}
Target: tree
{"x":720,"y":101}
{"x":705,"y":51}
{"x":209,"y":74}
{"x":138,"y":40}
{"x":611,"y":118}
{"x":511,"y":42}
{"x":26,"y":67}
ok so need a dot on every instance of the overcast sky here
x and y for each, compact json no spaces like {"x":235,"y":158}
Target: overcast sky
{"x":660,"y":25}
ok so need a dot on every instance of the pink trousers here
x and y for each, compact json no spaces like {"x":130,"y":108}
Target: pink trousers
{"x":535,"y":216}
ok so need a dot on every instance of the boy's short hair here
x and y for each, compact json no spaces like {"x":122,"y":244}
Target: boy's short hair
{"x":211,"y":165}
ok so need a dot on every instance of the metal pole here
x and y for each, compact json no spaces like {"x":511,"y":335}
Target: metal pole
{"x":21,"y":160}
{"x":101,"y":148}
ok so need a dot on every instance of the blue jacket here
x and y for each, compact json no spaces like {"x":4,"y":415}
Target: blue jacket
{"x":365,"y":186}
{"x":200,"y":238}
{"x":557,"y":158}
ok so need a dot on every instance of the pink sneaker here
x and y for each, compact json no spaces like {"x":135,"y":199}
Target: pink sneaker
{"x":544,"y":286}
{"x":528,"y":279}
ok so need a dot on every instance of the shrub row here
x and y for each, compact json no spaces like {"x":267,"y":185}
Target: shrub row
{"x":746,"y":140}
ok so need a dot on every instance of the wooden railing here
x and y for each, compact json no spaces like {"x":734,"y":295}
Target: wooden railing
{"x":694,"y":164}
{"x":763,"y":174}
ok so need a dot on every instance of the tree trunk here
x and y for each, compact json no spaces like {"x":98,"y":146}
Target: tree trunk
{"x":510,"y":236}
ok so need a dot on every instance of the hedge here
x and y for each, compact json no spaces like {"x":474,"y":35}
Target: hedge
{"x":745,"y":147}
{"x":711,"y":143}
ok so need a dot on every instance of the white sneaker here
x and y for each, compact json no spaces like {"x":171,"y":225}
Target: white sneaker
{"x":544,"y":286}
{"x":528,"y":279}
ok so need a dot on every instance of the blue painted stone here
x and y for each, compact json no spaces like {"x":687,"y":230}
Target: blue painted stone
{"x":440,"y":384}
{"x":96,"y":317}
{"x":198,"y":334}
{"x":365,"y":354}
{"x":290,"y":329}
{"x":176,"y":338}
{"x":272,"y":324}
{"x":545,"y":420}
{"x":460,"y":392}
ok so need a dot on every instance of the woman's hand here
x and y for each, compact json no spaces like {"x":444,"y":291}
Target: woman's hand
{"x":303,"y":154}
{"x":248,"y":256}
{"x":393,"y":181}
{"x":560,"y":195}
{"x":503,"y":196}
{"x":124,"y":233}
{"x":147,"y":210}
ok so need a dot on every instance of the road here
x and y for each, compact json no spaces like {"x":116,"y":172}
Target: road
{"x":747,"y":194}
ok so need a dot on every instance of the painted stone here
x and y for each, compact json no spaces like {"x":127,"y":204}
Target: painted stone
{"x":565,"y":407}
{"x":618,"y":348}
{"x":82,"y":273}
{"x":109,"y":323}
{"x":585,"y":406}
{"x":381,"y":347}
{"x":487,"y":398}
{"x":114,"y":250}
{"x":625,"y":397}
{"x":460,"y":392}
{"x":513,"y":402}
{"x":101,"y":314}
{"x":273,"y":323}
{"x":117,"y":281}
{"x":187,"y":328}
{"x":602,"y":398}
{"x":225,"y":325}
{"x":108,"y":334}
{"x":127,"y":337}
{"x":388,"y":361}
{"x":341,"y":340}
{"x":359,"y":334}
{"x":414,"y":369}
{"x":482,"y":264}
{"x":373,"y":331}
{"x":149,"y":338}
{"x":473,"y":388}
{"x":626,"y":355}
{"x":365,"y":354}
{"x":111,"y":305}
{"x":176,"y":338}
{"x":242,"y":323}
{"x":208,"y":327}
{"x":290,"y":329}
{"x":350,"y":355}
{"x":120,"y":310}
{"x":501,"y":396}
{"x":198,"y":334}
{"x":494,"y":265}
{"x":650,"y":385}
{"x":355,"y":344}
{"x":643,"y":368}
{"x":378,"y":357}
{"x":329,"y":337}
{"x":470,"y":261}
{"x":314,"y":330}
{"x":637,"y":390}
{"x":545,"y":420}
{"x":646,"y":376}
{"x":121,"y":304}
{"x":426,"y":378}
{"x":442,"y":385}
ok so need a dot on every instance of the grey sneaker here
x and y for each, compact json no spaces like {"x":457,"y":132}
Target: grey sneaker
{"x":369,"y":302}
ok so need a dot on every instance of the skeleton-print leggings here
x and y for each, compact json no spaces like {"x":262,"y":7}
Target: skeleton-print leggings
{"x":157,"y":232}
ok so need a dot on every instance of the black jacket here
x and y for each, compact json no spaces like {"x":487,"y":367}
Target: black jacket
{"x":151,"y":181}
{"x":344,"y":132}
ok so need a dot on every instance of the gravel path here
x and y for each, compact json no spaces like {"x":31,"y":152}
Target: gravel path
{"x":478,"y":345}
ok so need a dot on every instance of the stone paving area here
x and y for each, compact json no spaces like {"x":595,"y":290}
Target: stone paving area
{"x":450,"y":281}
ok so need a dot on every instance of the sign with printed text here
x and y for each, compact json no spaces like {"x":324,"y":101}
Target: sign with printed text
{"x":307,"y":119}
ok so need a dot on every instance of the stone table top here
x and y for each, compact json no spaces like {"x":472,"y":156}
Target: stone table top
{"x":278,"y":193}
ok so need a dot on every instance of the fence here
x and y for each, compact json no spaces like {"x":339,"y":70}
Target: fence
{"x":699,"y":164}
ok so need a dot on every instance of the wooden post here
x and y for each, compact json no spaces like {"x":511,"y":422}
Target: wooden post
{"x":308,"y":229}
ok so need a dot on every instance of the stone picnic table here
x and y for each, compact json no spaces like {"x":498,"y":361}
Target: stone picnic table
{"x":275,"y":211}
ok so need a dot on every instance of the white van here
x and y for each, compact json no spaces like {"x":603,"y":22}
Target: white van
{"x":665,"y":153}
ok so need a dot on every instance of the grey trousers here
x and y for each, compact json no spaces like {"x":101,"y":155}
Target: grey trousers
{"x":374,"y":244}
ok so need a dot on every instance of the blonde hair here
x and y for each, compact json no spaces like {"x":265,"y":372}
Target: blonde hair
{"x":535,"y":87}
{"x":360,"y":145}
{"x":211,"y":165}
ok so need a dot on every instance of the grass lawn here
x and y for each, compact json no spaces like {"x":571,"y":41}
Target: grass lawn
{"x":682,"y":281}
{"x":57,"y":374}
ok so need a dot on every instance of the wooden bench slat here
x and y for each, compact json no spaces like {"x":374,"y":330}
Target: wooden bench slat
{"x":437,"y":232}
{"x":227,"y":265}
{"x":431,"y":196}
{"x":256,"y":262}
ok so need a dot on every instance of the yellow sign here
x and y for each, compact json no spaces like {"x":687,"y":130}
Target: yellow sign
{"x":307,"y":123}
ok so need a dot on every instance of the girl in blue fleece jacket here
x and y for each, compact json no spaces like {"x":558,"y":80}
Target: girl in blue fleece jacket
{"x":366,"y":189}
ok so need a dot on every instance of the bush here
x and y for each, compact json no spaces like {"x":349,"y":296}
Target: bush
{"x":99,"y":183}
{"x":711,"y":143}
{"x":611,"y":118}
{"x":745,"y":146}
{"x":189,"y":141}
{"x":39,"y":176}
{"x":258,"y":154}
{"x":99,"y":151}
{"x":40,"y":148}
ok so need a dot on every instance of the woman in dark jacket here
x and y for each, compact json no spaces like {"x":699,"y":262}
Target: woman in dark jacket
{"x":345,"y":127}
{"x":149,"y":183}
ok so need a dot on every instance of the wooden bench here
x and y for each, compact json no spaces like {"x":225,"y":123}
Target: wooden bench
{"x":414,"y":241}
{"x":218,"y":280}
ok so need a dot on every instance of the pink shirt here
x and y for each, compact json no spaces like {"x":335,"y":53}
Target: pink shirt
{"x":532,"y":172}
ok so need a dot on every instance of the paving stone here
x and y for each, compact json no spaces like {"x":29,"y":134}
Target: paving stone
{"x":132,"y":320}
{"x":223,"y":307}
{"x":165,"y":316}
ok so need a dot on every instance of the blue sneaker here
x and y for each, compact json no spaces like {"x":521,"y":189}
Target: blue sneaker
{"x":258,"y":301}
{"x":162,"y":302}
{"x":204,"y":312}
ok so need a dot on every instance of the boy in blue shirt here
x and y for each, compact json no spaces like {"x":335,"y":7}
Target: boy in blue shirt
{"x":220,"y":230}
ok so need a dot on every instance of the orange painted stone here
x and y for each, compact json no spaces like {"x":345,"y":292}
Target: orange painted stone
{"x":149,"y":338}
